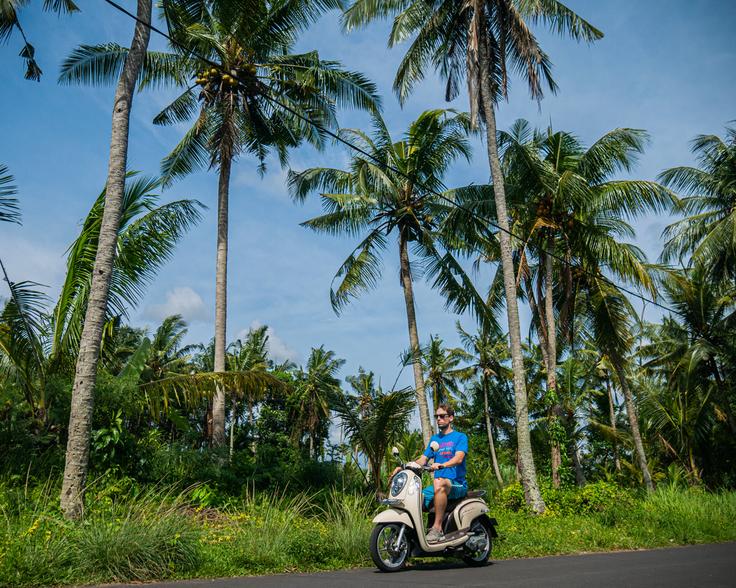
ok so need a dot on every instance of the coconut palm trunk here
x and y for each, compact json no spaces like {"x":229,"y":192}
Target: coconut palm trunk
{"x":551,"y":342}
{"x":526,"y":457}
{"x":223,"y":195}
{"x":233,"y":422}
{"x":634,"y":422}
{"x":489,"y":432}
{"x":80,"y":418}
{"x":416,"y":359}
{"x":580,"y":479}
{"x":612,"y":417}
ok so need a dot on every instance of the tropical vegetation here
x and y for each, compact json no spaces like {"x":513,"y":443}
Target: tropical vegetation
{"x":134,"y":454}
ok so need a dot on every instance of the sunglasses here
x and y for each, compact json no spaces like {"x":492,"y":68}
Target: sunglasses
{"x":441,"y":416}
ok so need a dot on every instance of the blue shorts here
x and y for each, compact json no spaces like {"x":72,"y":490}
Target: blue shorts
{"x":458,"y":490}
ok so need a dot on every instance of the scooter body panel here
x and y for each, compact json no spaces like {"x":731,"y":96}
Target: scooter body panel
{"x":394,"y":515}
{"x":469,"y":510}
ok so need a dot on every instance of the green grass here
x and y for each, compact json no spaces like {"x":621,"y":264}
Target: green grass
{"x":131,"y":534}
{"x":667,"y":517}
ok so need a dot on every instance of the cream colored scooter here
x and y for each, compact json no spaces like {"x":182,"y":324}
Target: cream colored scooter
{"x":399,"y":531}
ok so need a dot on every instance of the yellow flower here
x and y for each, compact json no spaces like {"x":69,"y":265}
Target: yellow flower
{"x":33,"y":528}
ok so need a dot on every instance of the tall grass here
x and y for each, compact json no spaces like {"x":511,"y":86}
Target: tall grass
{"x":142,"y":536}
{"x":666,"y":517}
{"x":349,"y":519}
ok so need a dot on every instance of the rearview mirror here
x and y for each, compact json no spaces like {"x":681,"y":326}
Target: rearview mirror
{"x":434,"y":446}
{"x":395,"y":451}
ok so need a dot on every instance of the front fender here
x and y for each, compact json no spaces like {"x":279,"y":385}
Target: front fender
{"x":393,"y":515}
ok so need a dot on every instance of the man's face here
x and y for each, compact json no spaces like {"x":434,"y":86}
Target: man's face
{"x":444,"y":420}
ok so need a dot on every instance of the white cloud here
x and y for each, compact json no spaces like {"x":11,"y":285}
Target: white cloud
{"x":180,"y":300}
{"x":277,"y":348}
{"x":42,"y":263}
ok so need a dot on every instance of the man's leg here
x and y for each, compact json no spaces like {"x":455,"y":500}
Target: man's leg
{"x":441,"y":490}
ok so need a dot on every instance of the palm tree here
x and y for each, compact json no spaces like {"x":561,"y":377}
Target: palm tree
{"x":488,"y":350}
{"x":80,"y":418}
{"x":565,"y":204}
{"x":394,"y":190}
{"x":147,"y":236}
{"x":376,"y":426}
{"x":234,"y":102}
{"x":311,"y":400}
{"x":443,"y":374}
{"x":609,"y":314}
{"x":248,"y":355}
{"x":38,"y":342}
{"x":480,"y":41}
{"x":698,"y":345}
{"x":9,"y":20}
{"x":167,"y":355}
{"x":707,"y":232}
{"x":9,"y":212}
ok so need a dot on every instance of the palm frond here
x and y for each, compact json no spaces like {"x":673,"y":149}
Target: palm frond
{"x":9,"y":211}
{"x":146,"y":240}
{"x":360,"y":271}
{"x":101,"y":65}
{"x":189,"y":390}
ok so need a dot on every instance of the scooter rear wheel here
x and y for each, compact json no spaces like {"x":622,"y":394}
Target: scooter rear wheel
{"x":477,"y":549}
{"x":386,"y":554}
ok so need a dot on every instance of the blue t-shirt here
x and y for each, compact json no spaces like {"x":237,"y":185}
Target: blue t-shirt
{"x":449,"y":444}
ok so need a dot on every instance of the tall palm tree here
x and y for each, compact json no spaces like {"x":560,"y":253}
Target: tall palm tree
{"x":394,"y":190}
{"x":9,"y":20}
{"x":233,"y":104}
{"x":610,"y":315}
{"x":314,"y":389}
{"x":481,"y":41}
{"x":566,"y":203}
{"x":710,"y":205}
{"x":80,"y":418}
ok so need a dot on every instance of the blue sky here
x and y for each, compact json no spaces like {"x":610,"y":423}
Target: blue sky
{"x":667,"y":66}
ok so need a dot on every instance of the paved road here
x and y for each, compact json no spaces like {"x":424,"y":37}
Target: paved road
{"x":698,"y":565}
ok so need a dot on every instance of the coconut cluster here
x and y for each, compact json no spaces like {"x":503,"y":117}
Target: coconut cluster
{"x":212,"y":79}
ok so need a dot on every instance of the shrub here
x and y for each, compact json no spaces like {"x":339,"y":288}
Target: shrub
{"x":596,"y":497}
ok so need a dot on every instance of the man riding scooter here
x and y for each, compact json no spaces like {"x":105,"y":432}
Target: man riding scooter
{"x":448,"y":468}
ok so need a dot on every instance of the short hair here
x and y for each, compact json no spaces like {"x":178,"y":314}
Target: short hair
{"x":447,"y":408}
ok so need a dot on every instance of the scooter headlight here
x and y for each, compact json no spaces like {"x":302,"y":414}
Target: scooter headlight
{"x":398,"y":483}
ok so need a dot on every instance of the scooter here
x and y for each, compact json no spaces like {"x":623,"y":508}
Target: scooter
{"x":399,"y":531}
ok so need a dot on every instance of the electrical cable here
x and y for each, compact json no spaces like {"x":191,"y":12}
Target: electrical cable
{"x":389,"y":167}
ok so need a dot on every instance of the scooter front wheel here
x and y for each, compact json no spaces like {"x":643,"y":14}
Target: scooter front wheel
{"x":388,"y":553}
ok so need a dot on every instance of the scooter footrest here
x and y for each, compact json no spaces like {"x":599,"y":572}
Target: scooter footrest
{"x":456,"y":534}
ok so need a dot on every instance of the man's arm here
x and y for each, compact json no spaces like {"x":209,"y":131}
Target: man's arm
{"x":456,"y":459}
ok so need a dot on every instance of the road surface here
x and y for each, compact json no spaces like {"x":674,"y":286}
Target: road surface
{"x":696,"y":565}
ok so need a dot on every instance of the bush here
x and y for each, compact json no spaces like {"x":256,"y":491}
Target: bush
{"x":596,"y":497}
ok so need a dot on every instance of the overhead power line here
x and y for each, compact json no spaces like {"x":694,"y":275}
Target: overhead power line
{"x":388,"y":166}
